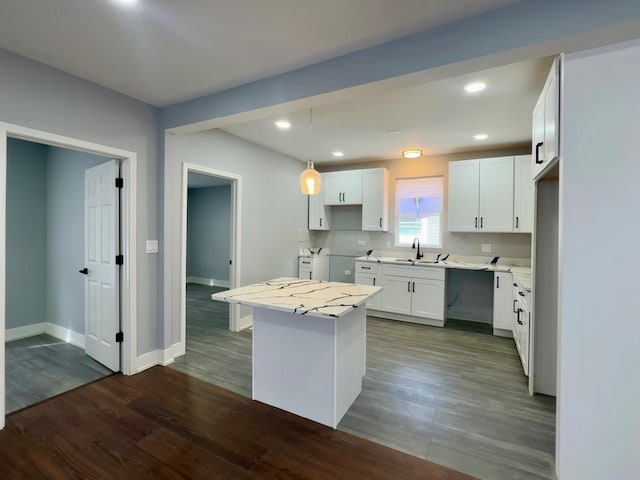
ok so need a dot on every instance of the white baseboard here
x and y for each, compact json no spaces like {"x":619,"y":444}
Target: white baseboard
{"x":158,"y":357}
{"x":244,"y":322}
{"x":210,"y":282}
{"x":24,"y":332}
{"x":65,"y":334}
{"x":61,"y":333}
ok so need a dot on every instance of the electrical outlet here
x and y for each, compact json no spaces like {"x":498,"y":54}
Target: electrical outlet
{"x":152,"y":246}
{"x":361,"y":243}
{"x":486,"y":248}
{"x":347,"y":272}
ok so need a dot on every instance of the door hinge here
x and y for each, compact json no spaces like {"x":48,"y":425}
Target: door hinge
{"x":119,"y":182}
{"x":119,"y":259}
{"x":119,"y":337}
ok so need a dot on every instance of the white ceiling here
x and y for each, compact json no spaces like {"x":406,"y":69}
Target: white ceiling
{"x":165,"y":51}
{"x":437,"y":117}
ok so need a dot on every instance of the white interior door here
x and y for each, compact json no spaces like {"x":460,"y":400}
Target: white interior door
{"x":102,"y":283}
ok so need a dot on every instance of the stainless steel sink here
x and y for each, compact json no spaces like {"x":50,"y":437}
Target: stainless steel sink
{"x":404,"y":260}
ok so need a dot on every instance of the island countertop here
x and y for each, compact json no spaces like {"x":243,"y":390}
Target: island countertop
{"x":300,"y":296}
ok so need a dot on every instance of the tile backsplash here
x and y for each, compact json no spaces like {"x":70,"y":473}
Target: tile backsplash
{"x":345,"y":242}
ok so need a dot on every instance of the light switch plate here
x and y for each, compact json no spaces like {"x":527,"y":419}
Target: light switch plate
{"x":361,"y":243}
{"x":152,"y":246}
{"x":486,"y":248}
{"x":347,"y":272}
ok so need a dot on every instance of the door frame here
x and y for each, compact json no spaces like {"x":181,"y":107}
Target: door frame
{"x":234,"y":279}
{"x":128,"y":284}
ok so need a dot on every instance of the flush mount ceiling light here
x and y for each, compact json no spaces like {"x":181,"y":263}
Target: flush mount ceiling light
{"x":475,"y":87}
{"x":480,"y":136}
{"x":127,"y":3}
{"x":412,"y":153}
{"x":310,"y":179}
{"x":283,"y":124}
{"x":337,"y":153}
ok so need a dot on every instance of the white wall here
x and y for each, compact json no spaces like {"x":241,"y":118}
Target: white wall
{"x":273,"y":209}
{"x":35,"y":96}
{"x":599,"y":376}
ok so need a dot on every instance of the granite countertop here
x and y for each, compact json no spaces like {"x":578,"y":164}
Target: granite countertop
{"x":304,"y":297}
{"x":522,"y":274}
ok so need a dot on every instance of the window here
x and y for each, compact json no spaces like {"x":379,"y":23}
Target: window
{"x":418,"y":211}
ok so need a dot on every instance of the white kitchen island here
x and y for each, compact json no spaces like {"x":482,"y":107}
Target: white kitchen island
{"x":309,"y":344}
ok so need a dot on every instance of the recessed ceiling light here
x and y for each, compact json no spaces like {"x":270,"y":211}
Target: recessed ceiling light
{"x":480,"y":136}
{"x":283,"y":125}
{"x":337,"y":153}
{"x":128,"y":3}
{"x":475,"y":87}
{"x":412,"y":153}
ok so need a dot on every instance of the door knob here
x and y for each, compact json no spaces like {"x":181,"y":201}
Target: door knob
{"x":84,"y":271}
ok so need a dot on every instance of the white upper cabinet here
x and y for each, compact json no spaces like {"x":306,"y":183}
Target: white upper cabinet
{"x":496,"y":194}
{"x":464,"y":191}
{"x":319,"y":214}
{"x":546,"y":113}
{"x":375,"y":199}
{"x":343,"y":188}
{"x":481,"y":195}
{"x":523,"y":195}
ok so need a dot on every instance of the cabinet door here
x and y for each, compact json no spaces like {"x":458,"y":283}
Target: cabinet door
{"x":374,"y":280}
{"x":375,"y":199}
{"x":523,"y":195}
{"x":503,"y":316}
{"x":537,"y":136}
{"x":396,"y":294}
{"x":524,"y":337}
{"x":319,"y":214}
{"x":464,"y":187}
{"x":352,"y":187}
{"x":546,"y":117}
{"x":305,"y":272}
{"x":496,"y":194}
{"x":551,"y":111}
{"x":332,"y":186}
{"x":427,"y":298}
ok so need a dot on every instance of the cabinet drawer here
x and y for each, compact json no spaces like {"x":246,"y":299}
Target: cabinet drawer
{"x":431,"y":273}
{"x":305,"y":262}
{"x":366,"y":267}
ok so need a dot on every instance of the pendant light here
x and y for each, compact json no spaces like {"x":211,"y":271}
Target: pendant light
{"x":310,"y":179}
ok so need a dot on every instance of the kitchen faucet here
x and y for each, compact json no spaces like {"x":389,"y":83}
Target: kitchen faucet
{"x":418,"y":254}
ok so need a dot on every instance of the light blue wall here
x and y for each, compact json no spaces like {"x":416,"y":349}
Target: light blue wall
{"x":26,"y":234}
{"x":209,"y":232}
{"x":36,"y":96}
{"x":65,"y":235}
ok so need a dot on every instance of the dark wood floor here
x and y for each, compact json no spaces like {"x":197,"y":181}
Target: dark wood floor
{"x":163,"y":424}
{"x":42,"y":366}
{"x":454,"y":397}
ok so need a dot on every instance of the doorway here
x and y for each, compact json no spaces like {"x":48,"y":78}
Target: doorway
{"x":69,"y":334}
{"x":209,"y":176}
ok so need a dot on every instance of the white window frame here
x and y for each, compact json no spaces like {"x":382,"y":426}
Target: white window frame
{"x":397,"y":242}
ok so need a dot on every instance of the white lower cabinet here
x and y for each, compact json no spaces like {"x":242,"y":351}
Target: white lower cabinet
{"x":503,"y":310}
{"x":521,"y":326}
{"x":416,"y":292}
{"x":314,"y":268}
{"x":367,"y":274}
